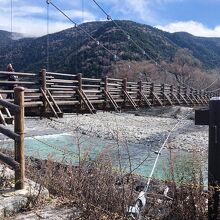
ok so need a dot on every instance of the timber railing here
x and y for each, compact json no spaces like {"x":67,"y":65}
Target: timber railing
{"x":55,"y":93}
{"x":18,"y":164}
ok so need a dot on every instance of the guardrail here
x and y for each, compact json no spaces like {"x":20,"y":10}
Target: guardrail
{"x":18,"y":164}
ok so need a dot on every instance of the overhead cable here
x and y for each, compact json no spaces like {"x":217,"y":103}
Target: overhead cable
{"x":109,"y":18}
{"x":82,"y":29}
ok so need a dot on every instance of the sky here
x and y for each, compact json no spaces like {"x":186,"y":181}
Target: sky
{"x":198,"y":17}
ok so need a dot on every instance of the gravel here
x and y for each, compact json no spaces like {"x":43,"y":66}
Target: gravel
{"x":149,"y":126}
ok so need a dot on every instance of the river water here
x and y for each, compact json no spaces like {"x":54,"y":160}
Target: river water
{"x":67,"y":147}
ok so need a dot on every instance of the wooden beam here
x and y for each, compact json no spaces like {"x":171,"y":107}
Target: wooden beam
{"x":189,"y":98}
{"x":144,"y":97}
{"x":9,"y":161}
{"x":43,"y":79}
{"x":112,"y":101}
{"x":12,"y":135}
{"x":59,"y":112}
{"x":157,"y":98}
{"x":182,"y":97}
{"x":9,"y":105}
{"x":17,"y":73}
{"x":49,"y":103}
{"x":88,"y":104}
{"x":17,"y":82}
{"x":128,"y":97}
{"x":6,"y":109}
{"x":19,"y":144}
{"x":168,"y":98}
{"x":175,"y":97}
{"x":2,"y":118}
{"x":60,"y":74}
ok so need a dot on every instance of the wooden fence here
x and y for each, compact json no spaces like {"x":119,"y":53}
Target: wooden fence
{"x":18,"y":164}
{"x":49,"y":93}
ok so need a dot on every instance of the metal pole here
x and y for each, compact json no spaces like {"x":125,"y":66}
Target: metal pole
{"x":19,"y":143}
{"x":214,"y":157}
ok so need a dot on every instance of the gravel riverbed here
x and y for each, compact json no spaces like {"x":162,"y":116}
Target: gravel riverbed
{"x":140,"y":127}
{"x":145,"y":129}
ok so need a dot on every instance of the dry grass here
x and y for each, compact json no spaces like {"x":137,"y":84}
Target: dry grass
{"x":100,"y":192}
{"x":94,"y":188}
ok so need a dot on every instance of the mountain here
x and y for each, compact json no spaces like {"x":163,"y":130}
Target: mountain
{"x":73,"y":51}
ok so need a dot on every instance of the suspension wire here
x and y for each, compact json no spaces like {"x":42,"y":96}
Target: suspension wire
{"x":48,"y":39}
{"x":11,"y":57}
{"x":82,"y":59}
{"x":124,"y":32}
{"x":142,"y":196}
{"x":215,"y":90}
{"x":82,"y":29}
{"x":82,"y":11}
{"x":204,"y":88}
{"x":98,"y":43}
{"x":211,"y":84}
{"x":77,"y":52}
{"x":139,"y":47}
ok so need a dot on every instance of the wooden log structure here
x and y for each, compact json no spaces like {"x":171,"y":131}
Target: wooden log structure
{"x":19,"y":143}
{"x":52,"y":94}
{"x":18,"y":164}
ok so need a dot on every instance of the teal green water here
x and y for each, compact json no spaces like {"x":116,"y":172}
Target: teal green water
{"x":67,"y":147}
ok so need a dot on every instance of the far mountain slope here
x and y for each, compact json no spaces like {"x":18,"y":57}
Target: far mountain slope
{"x":72,"y":51}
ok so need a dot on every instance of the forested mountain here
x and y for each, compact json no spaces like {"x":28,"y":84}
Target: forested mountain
{"x":73,"y":51}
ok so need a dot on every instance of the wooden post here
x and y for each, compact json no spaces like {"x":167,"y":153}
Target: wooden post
{"x":124,"y":87}
{"x":185,"y":93}
{"x":152,"y":90}
{"x":190,"y":92}
{"x":163,"y":91}
{"x":213,"y":156}
{"x":105,"y":80}
{"x":106,"y":83}
{"x":171,"y":93}
{"x":79,"y":78}
{"x":19,"y":144}
{"x":125,"y":84}
{"x":43,"y":75}
{"x":205,"y":95}
{"x":140,"y":91}
{"x":211,"y":117}
{"x":179,"y":92}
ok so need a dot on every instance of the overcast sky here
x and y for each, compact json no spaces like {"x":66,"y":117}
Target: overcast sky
{"x":198,"y":17}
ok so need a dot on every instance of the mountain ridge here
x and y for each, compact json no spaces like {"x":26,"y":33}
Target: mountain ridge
{"x":71,"y":50}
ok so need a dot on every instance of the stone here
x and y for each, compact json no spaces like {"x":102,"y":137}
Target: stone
{"x":12,"y":201}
